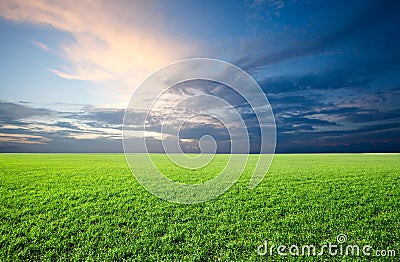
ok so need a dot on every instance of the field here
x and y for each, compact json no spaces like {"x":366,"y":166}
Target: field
{"x":90,"y":207}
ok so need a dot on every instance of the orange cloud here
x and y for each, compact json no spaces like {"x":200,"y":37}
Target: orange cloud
{"x":23,"y":138}
{"x":112,"y":40}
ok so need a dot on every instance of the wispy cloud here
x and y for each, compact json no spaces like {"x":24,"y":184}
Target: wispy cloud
{"x":41,"y":45}
{"x":356,"y":27}
{"x":121,"y":42}
{"x":23,"y":139}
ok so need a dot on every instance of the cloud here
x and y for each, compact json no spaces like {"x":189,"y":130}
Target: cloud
{"x":372,"y":14}
{"x":41,"y":45}
{"x":367,"y":138}
{"x":23,"y":124}
{"x":317,"y":127}
{"x":122,"y":41}
{"x":13,"y":111}
{"x":363,"y":116}
{"x":332,"y":79}
{"x":23,"y":139}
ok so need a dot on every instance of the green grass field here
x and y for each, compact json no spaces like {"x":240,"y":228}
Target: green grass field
{"x":90,"y":207}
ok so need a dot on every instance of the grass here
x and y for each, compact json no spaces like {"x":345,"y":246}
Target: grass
{"x":90,"y":207}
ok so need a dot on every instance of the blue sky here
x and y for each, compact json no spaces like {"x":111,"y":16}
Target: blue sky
{"x":330,"y":69}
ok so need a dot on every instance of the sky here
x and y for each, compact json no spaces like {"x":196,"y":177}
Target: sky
{"x":330,"y":70}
